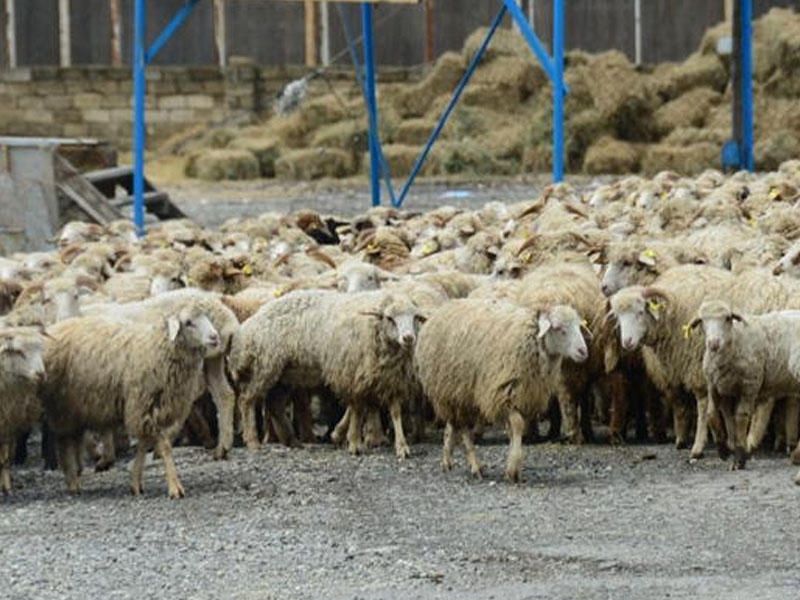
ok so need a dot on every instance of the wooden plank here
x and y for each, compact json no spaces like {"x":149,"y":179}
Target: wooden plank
{"x":78,"y":189}
{"x":116,"y":32}
{"x":64,"y":34}
{"x":11,"y":34}
{"x":220,"y":33}
{"x":310,"y":14}
{"x":430,"y":52}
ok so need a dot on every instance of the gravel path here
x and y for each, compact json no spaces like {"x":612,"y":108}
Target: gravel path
{"x":592,"y":522}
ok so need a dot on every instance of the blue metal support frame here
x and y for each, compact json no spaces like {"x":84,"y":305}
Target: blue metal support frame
{"x":372,"y":104}
{"x":746,"y":86}
{"x":142,"y":56}
{"x":558,"y":90}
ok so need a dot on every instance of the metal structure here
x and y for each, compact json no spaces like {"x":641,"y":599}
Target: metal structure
{"x":738,"y":152}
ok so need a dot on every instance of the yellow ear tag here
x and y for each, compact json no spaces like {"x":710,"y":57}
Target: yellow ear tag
{"x":277,"y":292}
{"x":774,"y":193}
{"x":585,"y":323}
{"x":247,"y":270}
{"x":687,"y":331}
{"x":526,"y":256}
{"x":371,"y":247}
{"x":753,"y":222}
{"x":650,"y":253}
{"x":428,"y":248}
{"x":654,"y":306}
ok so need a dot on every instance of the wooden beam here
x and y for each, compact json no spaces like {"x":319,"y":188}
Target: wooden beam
{"x":11,"y":34}
{"x":324,"y":34}
{"x":220,"y":32}
{"x":64,"y":34}
{"x":430,"y":51}
{"x":310,"y":11}
{"x":116,"y":32}
{"x":728,"y":10}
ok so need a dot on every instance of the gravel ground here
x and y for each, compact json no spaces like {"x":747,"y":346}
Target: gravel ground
{"x":592,"y":522}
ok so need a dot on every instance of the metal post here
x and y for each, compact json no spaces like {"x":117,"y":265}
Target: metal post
{"x":139,"y":89}
{"x":746,"y":78}
{"x":64,"y":34}
{"x":637,"y":31}
{"x":372,"y":104}
{"x":558,"y":90}
{"x":11,"y":34}
{"x":220,"y":33}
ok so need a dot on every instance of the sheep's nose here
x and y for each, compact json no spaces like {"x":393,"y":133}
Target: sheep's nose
{"x":39,"y":375}
{"x":582,"y":353}
{"x":407,"y":339}
{"x":213,"y":340}
{"x":627,"y":343}
{"x":713,"y":345}
{"x":778,"y":269}
{"x":606,"y":289}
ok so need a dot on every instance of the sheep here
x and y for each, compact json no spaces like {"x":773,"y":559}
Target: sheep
{"x":491,"y":359}
{"x":632,"y":262}
{"x":789,"y":262}
{"x":21,"y":371}
{"x":747,"y":362}
{"x":103,"y":373}
{"x":223,"y":320}
{"x":358,"y":345}
{"x":654,"y":317}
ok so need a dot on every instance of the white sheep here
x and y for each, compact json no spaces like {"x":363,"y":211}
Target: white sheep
{"x":493,"y":360}
{"x":748,"y":361}
{"x":359,"y":345}
{"x":103,"y":373}
{"x":21,"y":370}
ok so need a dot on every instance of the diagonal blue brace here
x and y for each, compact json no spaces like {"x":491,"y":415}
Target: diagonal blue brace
{"x":476,"y":59}
{"x":175,"y":23}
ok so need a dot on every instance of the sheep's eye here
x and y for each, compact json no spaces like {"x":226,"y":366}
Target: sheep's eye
{"x":189,"y":323}
{"x":627,"y":263}
{"x":729,"y":319}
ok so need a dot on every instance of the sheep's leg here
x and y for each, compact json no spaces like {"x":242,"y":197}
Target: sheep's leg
{"x":569,"y":412}
{"x":174,"y":487}
{"x":138,"y":467}
{"x":197,"y":428}
{"x":5,"y":468}
{"x":108,"y":456}
{"x":248,"y":415}
{"x":401,"y":448}
{"x":68,"y":451}
{"x":277,"y":404}
{"x":701,"y":434}
{"x":795,"y":457}
{"x":374,"y":435}
{"x":354,"y":444}
{"x":759,"y":424}
{"x":655,"y":411}
{"x":742,"y":421}
{"x":618,"y":390}
{"x":792,"y":414}
{"x":338,"y":433}
{"x":447,"y":447}
{"x":726,"y":437}
{"x":516,"y":429}
{"x":469,"y":450}
{"x":225,"y":400}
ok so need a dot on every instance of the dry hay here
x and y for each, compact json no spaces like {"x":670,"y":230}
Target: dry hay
{"x":265,"y":149}
{"x":686,"y":136}
{"x":610,"y":156}
{"x":699,"y":70}
{"x":313,"y":163}
{"x":686,"y":160}
{"x":349,"y":135}
{"x":518,"y":77}
{"x":322,"y":111}
{"x":689,"y":110}
{"x":474,"y":156}
{"x":769,"y":152}
{"x":415,"y":100}
{"x":414,"y":131}
{"x":218,"y":164}
{"x":777,"y":44}
{"x":582,"y":129}
{"x":401,"y":160}
{"x":505,"y":42}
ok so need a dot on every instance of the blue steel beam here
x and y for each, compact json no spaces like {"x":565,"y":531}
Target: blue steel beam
{"x":476,"y":59}
{"x":746,"y":160}
{"x":177,"y":21}
{"x":558,"y":90}
{"x":372,"y":104}
{"x":139,"y":66}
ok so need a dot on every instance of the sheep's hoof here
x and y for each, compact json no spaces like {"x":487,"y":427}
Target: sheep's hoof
{"x":696,"y":454}
{"x":376,"y":441}
{"x":513,"y":475}
{"x":795,"y":457}
{"x":615,"y":439}
{"x":739,"y":460}
{"x":74,"y":490}
{"x":176,"y":492}
{"x":136,"y":490}
{"x":681,"y":444}
{"x":254,"y":445}
{"x":797,"y":479}
{"x":476,"y":472}
{"x":103,"y":464}
{"x":723,"y":451}
{"x":354,"y":449}
{"x":402,"y":452}
{"x":220,"y":453}
{"x":447,"y":464}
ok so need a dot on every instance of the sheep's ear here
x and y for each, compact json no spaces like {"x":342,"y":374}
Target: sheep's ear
{"x":647,"y":258}
{"x":371,"y":313}
{"x":544,"y":325}
{"x":586,"y":330}
{"x":421,"y":318}
{"x":695,"y":323}
{"x":44,"y":333}
{"x":173,"y":327}
{"x":738,"y":317}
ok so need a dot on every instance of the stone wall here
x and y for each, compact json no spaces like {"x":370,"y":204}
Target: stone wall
{"x":97,"y":101}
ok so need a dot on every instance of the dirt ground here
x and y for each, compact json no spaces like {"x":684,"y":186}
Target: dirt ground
{"x":592,"y":522}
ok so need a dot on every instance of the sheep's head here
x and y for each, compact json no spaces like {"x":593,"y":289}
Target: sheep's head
{"x":355,"y":276}
{"x":21,"y":353}
{"x":191,"y":329}
{"x":717,"y":320}
{"x":627,"y":265}
{"x":789,"y":263}
{"x":560,"y":333}
{"x":399,"y":321}
{"x":63,"y":296}
{"x":636,"y":310}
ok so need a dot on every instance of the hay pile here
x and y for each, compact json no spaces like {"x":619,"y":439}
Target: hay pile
{"x":619,"y":118}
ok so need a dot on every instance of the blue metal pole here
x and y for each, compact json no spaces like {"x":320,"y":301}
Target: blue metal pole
{"x":746,"y":78}
{"x":372,"y":104}
{"x":139,"y":88}
{"x":476,"y":59}
{"x":175,"y":23}
{"x":558,"y":90}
